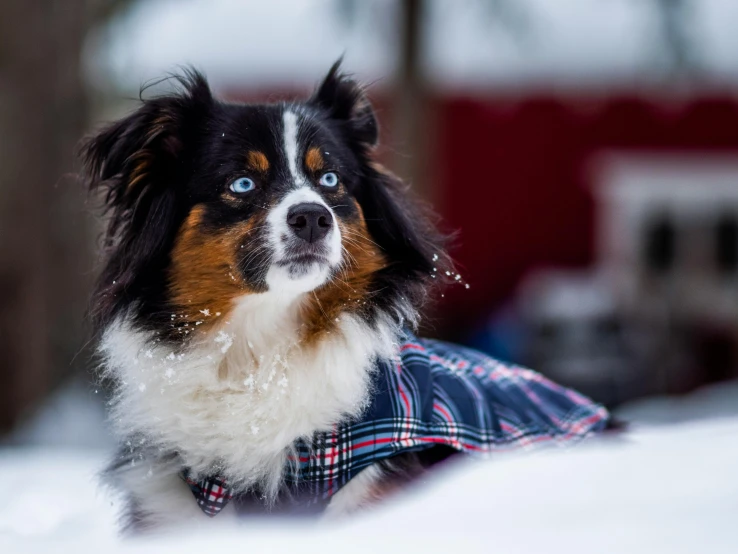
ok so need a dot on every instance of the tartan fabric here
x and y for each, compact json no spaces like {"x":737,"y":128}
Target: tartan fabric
{"x":211,"y":494}
{"x":434,"y":393}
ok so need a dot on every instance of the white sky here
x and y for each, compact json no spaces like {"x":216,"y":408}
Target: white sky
{"x":251,"y":43}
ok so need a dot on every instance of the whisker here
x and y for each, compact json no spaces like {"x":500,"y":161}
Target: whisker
{"x":320,"y":305}
{"x":364,"y":237}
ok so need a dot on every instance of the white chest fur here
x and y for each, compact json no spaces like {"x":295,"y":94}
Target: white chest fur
{"x":243,"y":392}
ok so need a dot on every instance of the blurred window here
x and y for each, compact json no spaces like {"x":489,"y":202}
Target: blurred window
{"x":659,"y":249}
{"x":727,"y":243}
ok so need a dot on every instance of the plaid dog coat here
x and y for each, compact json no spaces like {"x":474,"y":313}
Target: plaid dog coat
{"x":432,"y":393}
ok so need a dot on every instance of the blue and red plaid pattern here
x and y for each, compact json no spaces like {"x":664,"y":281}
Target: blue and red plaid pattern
{"x":434,"y":393}
{"x":211,"y":494}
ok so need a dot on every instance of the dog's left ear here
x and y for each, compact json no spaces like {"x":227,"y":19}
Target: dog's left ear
{"x":346,"y":102}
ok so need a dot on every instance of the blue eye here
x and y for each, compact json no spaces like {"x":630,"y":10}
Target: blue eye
{"x":329,"y":179}
{"x":241,"y":185}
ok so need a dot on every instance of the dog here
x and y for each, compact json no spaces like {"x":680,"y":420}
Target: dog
{"x":263,"y":276}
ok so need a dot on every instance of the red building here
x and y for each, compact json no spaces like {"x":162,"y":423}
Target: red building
{"x":516,"y":177}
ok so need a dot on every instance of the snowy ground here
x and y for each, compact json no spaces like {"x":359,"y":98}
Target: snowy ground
{"x":670,"y":486}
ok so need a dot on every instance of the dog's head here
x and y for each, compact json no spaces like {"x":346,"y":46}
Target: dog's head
{"x":210,"y":201}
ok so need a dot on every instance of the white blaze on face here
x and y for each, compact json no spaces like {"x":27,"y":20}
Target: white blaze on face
{"x":281,"y":277}
{"x":292,"y":147}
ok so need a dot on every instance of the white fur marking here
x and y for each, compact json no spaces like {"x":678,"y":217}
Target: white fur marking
{"x":291,"y":147}
{"x":164,"y":500}
{"x":279,"y":277}
{"x":245,"y":406}
{"x":355,"y":494}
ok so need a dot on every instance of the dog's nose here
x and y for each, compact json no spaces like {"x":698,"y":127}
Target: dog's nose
{"x":310,"y":222}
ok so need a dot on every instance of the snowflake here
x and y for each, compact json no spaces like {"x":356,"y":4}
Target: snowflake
{"x":225,"y":339}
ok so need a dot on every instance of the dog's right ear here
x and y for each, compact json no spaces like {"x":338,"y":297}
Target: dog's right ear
{"x":137,"y":164}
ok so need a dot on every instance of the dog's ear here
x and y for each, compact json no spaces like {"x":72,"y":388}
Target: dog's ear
{"x":346,"y":102}
{"x":137,"y":164}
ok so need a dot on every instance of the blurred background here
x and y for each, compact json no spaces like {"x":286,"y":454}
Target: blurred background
{"x":585,"y":152}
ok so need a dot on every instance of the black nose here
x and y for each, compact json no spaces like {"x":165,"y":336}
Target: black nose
{"x":310,"y":222}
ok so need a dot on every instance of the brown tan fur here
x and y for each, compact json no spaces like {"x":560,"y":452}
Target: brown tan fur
{"x":348,"y":290}
{"x":144,"y":158}
{"x":140,"y":171}
{"x":204,"y":277}
{"x":257,"y":161}
{"x":314,"y":160}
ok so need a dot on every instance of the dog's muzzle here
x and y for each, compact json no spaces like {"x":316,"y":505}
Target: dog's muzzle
{"x":306,"y":242}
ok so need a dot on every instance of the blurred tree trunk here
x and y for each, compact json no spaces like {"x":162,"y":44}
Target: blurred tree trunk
{"x":413,"y":122}
{"x":45,"y":239}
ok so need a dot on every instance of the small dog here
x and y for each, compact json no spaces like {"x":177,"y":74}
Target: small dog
{"x":263,"y":274}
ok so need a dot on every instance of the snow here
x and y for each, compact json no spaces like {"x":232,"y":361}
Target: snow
{"x":717,"y":401}
{"x":52,"y":498}
{"x":668,"y":485}
{"x":73,"y":417}
{"x":225,"y":339}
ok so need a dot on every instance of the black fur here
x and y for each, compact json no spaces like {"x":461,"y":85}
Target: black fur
{"x":345,"y":103}
{"x":178,"y":150}
{"x":143,"y":215}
